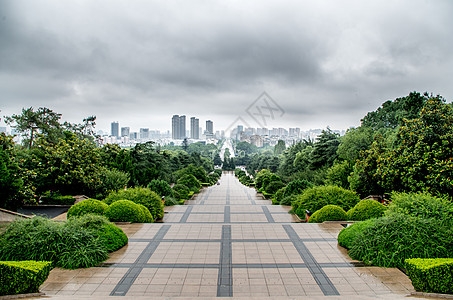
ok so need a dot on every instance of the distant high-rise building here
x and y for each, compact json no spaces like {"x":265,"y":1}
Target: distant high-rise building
{"x":133,"y":135}
{"x":144,"y":133}
{"x":209,"y":127}
{"x":178,"y":127}
{"x":194,"y":128}
{"x":125,"y":131}
{"x":115,"y":129}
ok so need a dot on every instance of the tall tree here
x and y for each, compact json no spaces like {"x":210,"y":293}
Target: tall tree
{"x":325,"y":149}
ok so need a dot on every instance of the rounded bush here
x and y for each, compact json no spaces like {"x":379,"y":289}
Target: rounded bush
{"x":317,"y":197}
{"x":87,"y":206}
{"x":124,"y":211}
{"x":273,"y":187}
{"x":288,"y":200}
{"x":181,"y":191}
{"x":366,"y":209}
{"x":146,"y":217}
{"x":279,"y":195}
{"x":348,"y":235}
{"x":191,"y":182}
{"x":328,"y":213}
{"x":140,"y":195}
{"x":297,"y":187}
{"x":161,"y":187}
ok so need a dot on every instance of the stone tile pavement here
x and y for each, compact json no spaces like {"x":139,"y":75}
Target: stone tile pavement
{"x":229,"y":242}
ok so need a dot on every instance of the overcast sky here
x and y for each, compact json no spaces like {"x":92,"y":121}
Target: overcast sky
{"x":324,"y":62}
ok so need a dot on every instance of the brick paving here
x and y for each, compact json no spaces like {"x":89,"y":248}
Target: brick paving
{"x":229,"y":242}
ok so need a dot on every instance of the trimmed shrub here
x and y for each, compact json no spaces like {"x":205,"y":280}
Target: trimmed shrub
{"x":181,"y":191}
{"x":39,"y":239}
{"x":328,"y":213}
{"x":389,"y":240}
{"x":124,"y":211}
{"x":191,"y":182}
{"x":297,"y":187}
{"x":111,"y":236}
{"x":170,"y":201}
{"x":347,"y":235}
{"x":273,"y":187}
{"x":366,"y":209}
{"x":161,"y":187}
{"x":431,"y":275}
{"x":421,"y":205}
{"x":140,"y":195}
{"x":146,"y":217}
{"x":22,"y":277}
{"x":288,"y":200}
{"x":278,"y":196}
{"x":87,"y":206}
{"x":317,"y":197}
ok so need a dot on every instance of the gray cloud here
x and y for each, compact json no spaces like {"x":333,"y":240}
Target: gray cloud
{"x":139,"y":62}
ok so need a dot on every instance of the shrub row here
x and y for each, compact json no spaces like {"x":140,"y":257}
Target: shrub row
{"x":22,"y":277}
{"x":431,"y":275}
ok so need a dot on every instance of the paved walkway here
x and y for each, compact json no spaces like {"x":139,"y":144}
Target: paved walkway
{"x":228,"y":242}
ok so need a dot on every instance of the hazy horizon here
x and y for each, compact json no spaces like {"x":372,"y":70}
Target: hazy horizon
{"x":325,"y":63}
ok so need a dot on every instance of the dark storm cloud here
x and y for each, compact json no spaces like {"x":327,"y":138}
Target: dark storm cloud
{"x":325,"y":62}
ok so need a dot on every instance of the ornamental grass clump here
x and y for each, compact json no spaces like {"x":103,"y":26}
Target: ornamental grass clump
{"x":78,"y":243}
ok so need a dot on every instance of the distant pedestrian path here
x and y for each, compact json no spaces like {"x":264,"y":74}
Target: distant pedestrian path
{"x":229,"y":242}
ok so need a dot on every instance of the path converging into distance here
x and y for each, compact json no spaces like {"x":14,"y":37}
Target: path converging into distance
{"x":229,"y":242}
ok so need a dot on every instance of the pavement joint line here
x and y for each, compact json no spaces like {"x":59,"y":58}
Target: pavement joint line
{"x":186,"y":214}
{"x":227,"y":214}
{"x":267,"y":213}
{"x":232,"y":240}
{"x":233,"y":213}
{"x":250,"y":198}
{"x":128,"y":279}
{"x":323,"y":281}
{"x":233,"y":265}
{"x":225,"y":279}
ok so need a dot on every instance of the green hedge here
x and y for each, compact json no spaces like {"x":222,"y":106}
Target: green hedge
{"x":22,"y":277}
{"x":288,"y":200}
{"x":431,"y":275}
{"x":140,"y":195}
{"x":366,"y":209}
{"x":328,"y":213}
{"x":88,"y":206}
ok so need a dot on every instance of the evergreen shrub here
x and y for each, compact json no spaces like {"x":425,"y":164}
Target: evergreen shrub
{"x":366,"y":209}
{"x":22,"y":277}
{"x":328,"y":213}
{"x":431,"y":275}
{"x":125,"y":211}
{"x":87,"y":206}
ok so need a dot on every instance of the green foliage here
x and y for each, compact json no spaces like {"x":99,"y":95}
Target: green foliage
{"x":68,"y":245}
{"x":420,"y":159}
{"x":353,"y":142}
{"x":161,"y":187}
{"x":111,"y":237}
{"x":87,"y":206}
{"x":191,"y":182}
{"x":421,"y":205}
{"x":264,"y":177}
{"x":54,"y":198}
{"x":325,"y":149}
{"x":22,"y":277}
{"x":127,"y":211}
{"x":181,"y":191}
{"x":113,"y":179}
{"x":431,"y":275}
{"x":280,"y":147}
{"x":198,"y":172}
{"x":348,"y":235}
{"x":316,"y":198}
{"x":10,"y":181}
{"x":288,"y":200}
{"x":142,"y":196}
{"x":389,"y":240}
{"x":146,"y":216}
{"x":338,"y":174}
{"x":278,"y":195}
{"x":296,"y":187}
{"x":366,"y":209}
{"x":328,"y":213}
{"x":273,"y":186}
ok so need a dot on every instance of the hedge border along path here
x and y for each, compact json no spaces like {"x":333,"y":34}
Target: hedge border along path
{"x":21,"y":277}
{"x":432,"y":275}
